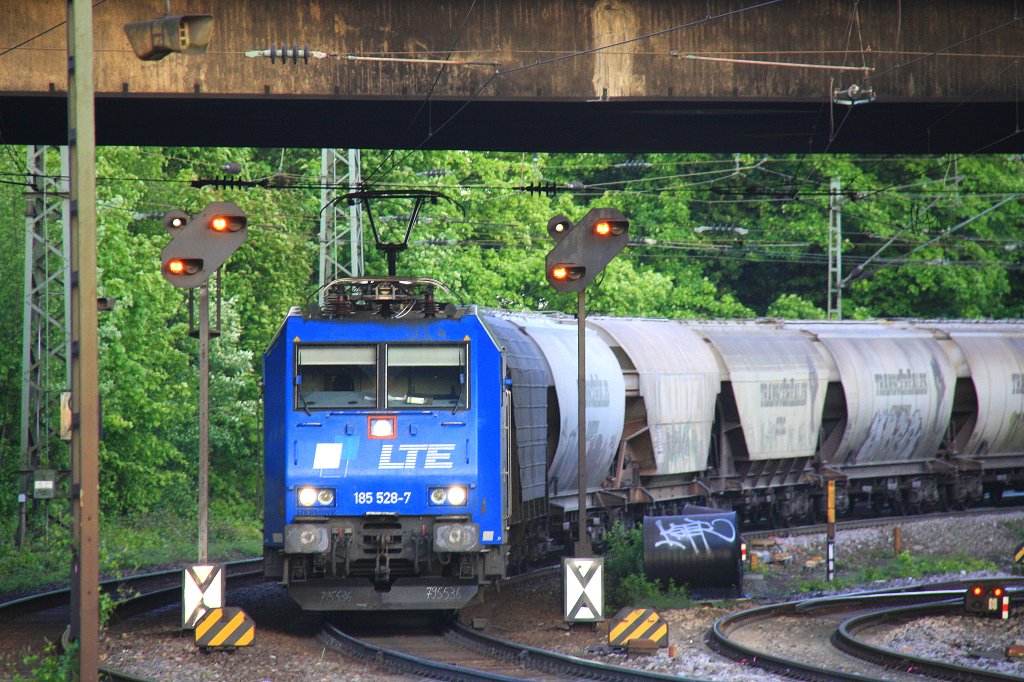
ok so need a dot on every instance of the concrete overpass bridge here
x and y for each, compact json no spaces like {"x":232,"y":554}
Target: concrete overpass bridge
{"x":559,"y":75}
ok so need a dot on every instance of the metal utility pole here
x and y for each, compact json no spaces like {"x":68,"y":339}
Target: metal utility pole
{"x":46,"y":337}
{"x":583,"y":547}
{"x":204,"y":421}
{"x":85,"y":421}
{"x":835,"y":251}
{"x":338,"y":168}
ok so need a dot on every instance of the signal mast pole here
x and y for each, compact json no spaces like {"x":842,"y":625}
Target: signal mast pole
{"x":583,"y":548}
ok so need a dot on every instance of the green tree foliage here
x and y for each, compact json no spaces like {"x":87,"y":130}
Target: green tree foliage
{"x":711,"y":236}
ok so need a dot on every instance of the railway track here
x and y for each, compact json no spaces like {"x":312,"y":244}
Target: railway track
{"x":451,"y":651}
{"x":28,"y":622}
{"x":815,"y":639}
{"x":41,"y":617}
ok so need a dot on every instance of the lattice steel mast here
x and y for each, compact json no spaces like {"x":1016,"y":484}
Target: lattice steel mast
{"x":46,"y":337}
{"x":340,"y":224}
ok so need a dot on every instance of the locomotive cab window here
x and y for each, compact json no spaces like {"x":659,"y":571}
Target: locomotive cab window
{"x":427,"y":375}
{"x":336,"y":377}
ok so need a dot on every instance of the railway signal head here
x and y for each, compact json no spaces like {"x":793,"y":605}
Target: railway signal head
{"x":989,"y":598}
{"x":567,"y":272}
{"x":155,"y":39}
{"x":175,"y":220}
{"x":184,"y":266}
{"x":583,"y":250}
{"x":559,"y":226}
{"x":203,"y":243}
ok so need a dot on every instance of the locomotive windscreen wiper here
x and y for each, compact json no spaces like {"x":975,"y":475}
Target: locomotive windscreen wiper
{"x":302,"y":396}
{"x":462,"y":392}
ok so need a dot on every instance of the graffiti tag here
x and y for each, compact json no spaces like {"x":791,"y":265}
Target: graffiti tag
{"x":693,"y":533}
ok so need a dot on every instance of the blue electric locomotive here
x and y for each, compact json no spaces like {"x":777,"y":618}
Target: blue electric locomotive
{"x":385,"y":452}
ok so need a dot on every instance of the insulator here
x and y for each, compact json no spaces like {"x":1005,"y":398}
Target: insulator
{"x":430,"y":306}
{"x":343,"y":306}
{"x":337,"y":304}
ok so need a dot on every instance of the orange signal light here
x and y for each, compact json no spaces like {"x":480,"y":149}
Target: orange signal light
{"x":219,"y":223}
{"x":184,"y":266}
{"x":602,"y":228}
{"x":560,"y":272}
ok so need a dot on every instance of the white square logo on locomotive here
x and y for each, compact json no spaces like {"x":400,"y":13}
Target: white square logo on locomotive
{"x":327,"y":456}
{"x":434,"y":456}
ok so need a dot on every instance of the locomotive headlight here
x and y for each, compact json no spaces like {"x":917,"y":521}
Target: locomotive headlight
{"x":381,"y":427}
{"x":456,"y":537}
{"x":307,"y":497}
{"x":453,"y":495}
{"x":457,"y":495}
{"x":310,"y":496}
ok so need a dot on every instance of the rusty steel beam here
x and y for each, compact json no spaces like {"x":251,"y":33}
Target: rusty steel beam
{"x":650,"y":74}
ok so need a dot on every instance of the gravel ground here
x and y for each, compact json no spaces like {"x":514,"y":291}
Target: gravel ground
{"x":534,"y":617}
{"x":531,"y":613}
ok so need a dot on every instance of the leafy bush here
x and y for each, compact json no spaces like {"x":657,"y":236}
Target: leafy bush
{"x":625,"y":582}
{"x":130,"y":544}
{"x":52,"y":664}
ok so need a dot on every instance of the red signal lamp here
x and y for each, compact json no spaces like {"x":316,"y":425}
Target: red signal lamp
{"x":224,"y":223}
{"x":976,"y":590}
{"x":609,"y":228}
{"x":184,"y":266}
{"x":567,"y":273}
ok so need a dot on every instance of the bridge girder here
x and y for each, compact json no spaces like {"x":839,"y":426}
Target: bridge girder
{"x":567,"y":75}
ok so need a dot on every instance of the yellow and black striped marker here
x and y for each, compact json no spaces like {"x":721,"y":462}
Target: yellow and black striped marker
{"x":1018,"y":556}
{"x":631,"y":625}
{"x":225,"y":628}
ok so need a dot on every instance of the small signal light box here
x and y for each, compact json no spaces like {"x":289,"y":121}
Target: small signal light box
{"x":987,"y":598}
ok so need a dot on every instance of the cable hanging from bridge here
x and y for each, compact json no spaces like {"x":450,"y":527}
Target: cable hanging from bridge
{"x":758,"y":62}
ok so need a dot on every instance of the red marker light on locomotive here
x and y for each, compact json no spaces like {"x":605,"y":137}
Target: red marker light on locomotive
{"x":997,"y":592}
{"x":976,"y":590}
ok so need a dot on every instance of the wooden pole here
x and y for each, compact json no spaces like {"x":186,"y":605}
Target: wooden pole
{"x":84,"y":356}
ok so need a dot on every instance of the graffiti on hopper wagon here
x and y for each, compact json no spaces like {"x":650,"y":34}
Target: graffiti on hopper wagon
{"x":692,"y":534}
